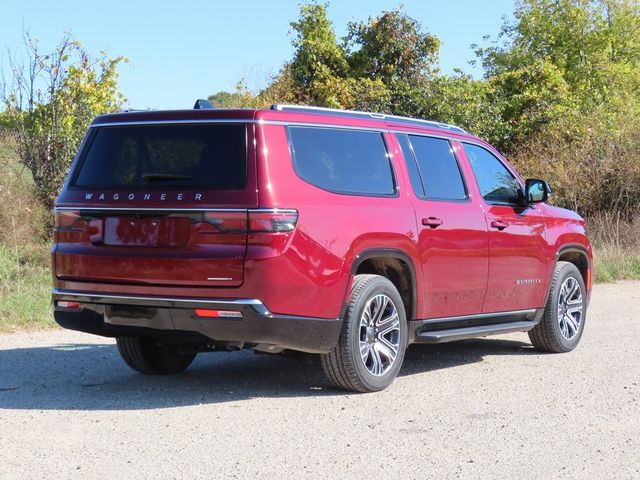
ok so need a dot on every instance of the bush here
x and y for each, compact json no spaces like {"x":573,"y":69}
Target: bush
{"x":616,"y":242}
{"x":593,"y":165}
{"x":50,"y":104}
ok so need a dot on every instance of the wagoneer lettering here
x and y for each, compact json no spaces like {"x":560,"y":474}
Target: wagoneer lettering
{"x":344,"y":234}
{"x":179,"y":196}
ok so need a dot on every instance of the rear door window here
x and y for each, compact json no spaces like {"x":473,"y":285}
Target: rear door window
{"x":342,"y":161}
{"x":212,"y":156}
{"x":433,"y":168}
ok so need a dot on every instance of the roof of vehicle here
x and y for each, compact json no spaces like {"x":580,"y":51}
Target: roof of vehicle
{"x":284,"y":114}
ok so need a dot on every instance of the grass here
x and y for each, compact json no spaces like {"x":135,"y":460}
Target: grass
{"x":616,"y":243}
{"x":613,"y":263}
{"x":25,"y":279}
{"x":25,"y":291}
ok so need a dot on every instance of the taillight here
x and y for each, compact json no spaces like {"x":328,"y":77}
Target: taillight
{"x":255,"y":221}
{"x":66,"y":219}
{"x":227,"y":222}
{"x":272,"y":221}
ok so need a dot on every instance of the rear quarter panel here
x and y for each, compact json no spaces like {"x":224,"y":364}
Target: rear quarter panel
{"x":310,"y":274}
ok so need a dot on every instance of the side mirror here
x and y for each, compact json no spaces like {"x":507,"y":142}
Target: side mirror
{"x":536,"y":191}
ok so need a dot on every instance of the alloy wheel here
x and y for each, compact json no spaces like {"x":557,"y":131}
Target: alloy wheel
{"x":379,"y":335}
{"x":570,"y":308}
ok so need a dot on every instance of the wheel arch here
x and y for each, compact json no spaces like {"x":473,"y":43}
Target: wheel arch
{"x":393,"y":264}
{"x":578,"y":256}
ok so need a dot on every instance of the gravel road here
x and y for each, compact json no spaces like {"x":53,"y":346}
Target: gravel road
{"x":491,"y":408}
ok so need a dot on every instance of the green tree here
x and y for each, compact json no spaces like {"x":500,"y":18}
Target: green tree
{"x":564,"y":57}
{"x":223,"y":99}
{"x":318,"y":57}
{"x":51,"y":103}
{"x":393,"y":48}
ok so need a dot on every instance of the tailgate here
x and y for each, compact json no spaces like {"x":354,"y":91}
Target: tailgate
{"x":159,"y":204}
{"x":168,"y":248}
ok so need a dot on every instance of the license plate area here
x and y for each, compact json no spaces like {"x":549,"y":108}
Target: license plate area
{"x":147,"y":231}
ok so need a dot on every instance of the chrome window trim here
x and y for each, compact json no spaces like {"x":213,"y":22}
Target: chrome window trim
{"x":235,"y":120}
{"x":322,"y":125}
{"x":424,"y":134}
{"x":159,"y":209}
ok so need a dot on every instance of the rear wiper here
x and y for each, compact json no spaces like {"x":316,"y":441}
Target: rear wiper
{"x":154,"y":177}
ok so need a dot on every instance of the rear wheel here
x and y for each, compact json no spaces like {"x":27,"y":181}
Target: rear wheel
{"x":145,"y":355}
{"x":371,"y":348}
{"x":564,"y":315}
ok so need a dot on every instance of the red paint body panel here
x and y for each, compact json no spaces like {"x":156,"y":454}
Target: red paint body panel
{"x":518,"y":253}
{"x":453,"y":256}
{"x":310,"y":277}
{"x":461,"y":267}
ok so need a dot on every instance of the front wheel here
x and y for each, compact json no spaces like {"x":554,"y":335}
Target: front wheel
{"x":371,"y":347}
{"x":145,"y":355}
{"x":564,"y":315}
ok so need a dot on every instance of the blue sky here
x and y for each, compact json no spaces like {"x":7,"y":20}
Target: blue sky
{"x":183,"y":50}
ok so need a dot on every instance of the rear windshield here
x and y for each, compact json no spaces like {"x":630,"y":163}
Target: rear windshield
{"x":164,"y":156}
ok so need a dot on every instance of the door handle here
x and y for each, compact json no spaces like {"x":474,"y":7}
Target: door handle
{"x":432,"y":222}
{"x":499,"y":224}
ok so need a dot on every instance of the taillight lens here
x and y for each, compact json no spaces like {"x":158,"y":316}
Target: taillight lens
{"x":257,"y":221}
{"x":275,"y":221}
{"x":227,"y":222}
{"x":66,"y":219}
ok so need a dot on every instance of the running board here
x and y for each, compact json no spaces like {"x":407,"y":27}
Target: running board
{"x":442,"y":336}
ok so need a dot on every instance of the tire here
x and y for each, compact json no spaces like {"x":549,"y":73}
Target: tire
{"x":377,"y":338}
{"x":565,"y":312}
{"x":146,"y":356}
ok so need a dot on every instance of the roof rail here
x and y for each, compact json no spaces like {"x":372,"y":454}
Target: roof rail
{"x":357,"y":113}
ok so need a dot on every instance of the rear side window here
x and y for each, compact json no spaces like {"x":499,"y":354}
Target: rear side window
{"x":342,"y":161}
{"x":435,"y":173}
{"x":497,"y":184}
{"x":164,"y":156}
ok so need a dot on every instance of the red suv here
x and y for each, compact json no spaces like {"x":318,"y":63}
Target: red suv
{"x":345,"y":234}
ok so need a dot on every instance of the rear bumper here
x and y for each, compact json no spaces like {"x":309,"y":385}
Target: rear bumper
{"x":174,"y":319}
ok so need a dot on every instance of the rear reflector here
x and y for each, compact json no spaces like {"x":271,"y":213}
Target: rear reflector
{"x":204,"y":312}
{"x":66,"y":305}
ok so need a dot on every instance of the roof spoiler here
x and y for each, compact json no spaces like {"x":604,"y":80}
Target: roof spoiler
{"x":202,"y":104}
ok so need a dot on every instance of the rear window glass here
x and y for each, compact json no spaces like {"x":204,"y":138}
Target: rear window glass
{"x":164,"y":156}
{"x":342,"y":161}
